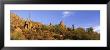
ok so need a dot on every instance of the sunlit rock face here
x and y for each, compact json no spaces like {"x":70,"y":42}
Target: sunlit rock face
{"x":62,"y":24}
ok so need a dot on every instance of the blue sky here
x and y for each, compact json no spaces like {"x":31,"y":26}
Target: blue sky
{"x":80,"y":18}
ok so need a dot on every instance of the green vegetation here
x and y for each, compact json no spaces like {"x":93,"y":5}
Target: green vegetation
{"x":28,"y":30}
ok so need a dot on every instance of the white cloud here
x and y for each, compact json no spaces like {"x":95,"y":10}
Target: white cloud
{"x":65,"y":14}
{"x":97,"y":28}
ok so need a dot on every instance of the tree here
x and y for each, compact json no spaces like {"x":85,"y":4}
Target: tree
{"x":90,"y":29}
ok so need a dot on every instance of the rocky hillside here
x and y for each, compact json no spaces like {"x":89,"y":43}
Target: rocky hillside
{"x":28,"y":30}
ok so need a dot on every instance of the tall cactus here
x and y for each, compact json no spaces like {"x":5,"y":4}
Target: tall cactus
{"x":73,"y":26}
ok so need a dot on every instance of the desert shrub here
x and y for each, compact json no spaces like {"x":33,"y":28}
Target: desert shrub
{"x":56,"y":36}
{"x":17,"y":36}
{"x":44,"y":27}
